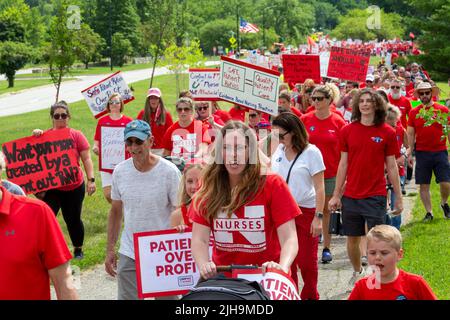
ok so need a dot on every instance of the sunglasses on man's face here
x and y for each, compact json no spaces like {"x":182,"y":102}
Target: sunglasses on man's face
{"x":424,"y":93}
{"x":317,"y":98}
{"x":253,"y":115}
{"x":395,"y":87}
{"x":183,"y":109}
{"x":368,"y":81}
{"x":202,"y":108}
{"x":129,"y":142}
{"x":58,"y":116}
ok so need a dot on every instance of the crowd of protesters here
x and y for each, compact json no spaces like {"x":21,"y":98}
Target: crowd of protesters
{"x":334,"y":145}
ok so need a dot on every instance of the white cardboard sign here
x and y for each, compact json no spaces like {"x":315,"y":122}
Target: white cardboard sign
{"x":113,"y":147}
{"x":204,"y":84}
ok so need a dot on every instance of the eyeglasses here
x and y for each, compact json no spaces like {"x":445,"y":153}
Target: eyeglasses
{"x":129,"y":142}
{"x":62,"y":116}
{"x":395,"y":87}
{"x":368,"y":81}
{"x":183,"y":109}
{"x":424,"y":93}
{"x":253,"y":115}
{"x":201,"y":108}
{"x":281,"y":135}
{"x":114,"y":102}
{"x":317,"y":98}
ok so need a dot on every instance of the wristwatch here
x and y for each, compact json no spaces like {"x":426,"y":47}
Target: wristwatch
{"x":319,"y":215}
{"x":91,"y":179}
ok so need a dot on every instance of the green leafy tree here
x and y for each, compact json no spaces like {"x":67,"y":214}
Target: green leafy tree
{"x":88,"y":44}
{"x":431,"y":116}
{"x":121,"y":49}
{"x":13,"y":56}
{"x":61,"y":50}
{"x":216,"y":33}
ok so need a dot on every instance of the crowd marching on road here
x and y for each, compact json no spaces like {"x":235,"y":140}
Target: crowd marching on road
{"x":334,"y":146}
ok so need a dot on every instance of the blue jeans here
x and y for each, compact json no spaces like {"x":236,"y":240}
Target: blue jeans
{"x":396,"y":221}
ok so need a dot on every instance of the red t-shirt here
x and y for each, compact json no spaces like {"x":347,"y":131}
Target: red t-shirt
{"x":81,"y":144}
{"x":225,"y":116}
{"x":405,"y":107}
{"x":31,"y":243}
{"x":158,"y":131}
{"x":407,"y":286}
{"x":185,"y":142}
{"x":106,"y":121}
{"x":185,"y":215}
{"x":250,"y":235}
{"x":428,"y":138}
{"x":332,"y":109}
{"x":238,"y":115}
{"x":297,"y":112}
{"x":367,"y":148}
{"x":325,"y":135}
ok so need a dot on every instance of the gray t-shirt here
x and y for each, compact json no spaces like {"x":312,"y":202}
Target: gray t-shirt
{"x":148,"y":198}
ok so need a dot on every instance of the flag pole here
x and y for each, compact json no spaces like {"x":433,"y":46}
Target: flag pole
{"x":238,"y":30}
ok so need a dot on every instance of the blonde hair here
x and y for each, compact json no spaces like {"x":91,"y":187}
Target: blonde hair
{"x":393,"y":112}
{"x":215,"y":194}
{"x":330,"y":91}
{"x":184,"y":198}
{"x":386,"y":233}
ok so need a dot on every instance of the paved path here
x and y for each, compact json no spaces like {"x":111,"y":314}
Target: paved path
{"x":95,"y":284}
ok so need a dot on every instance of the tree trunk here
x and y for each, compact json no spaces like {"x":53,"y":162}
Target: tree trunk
{"x":10,"y":81}
{"x":86,"y":65}
{"x":58,"y":85}
{"x":155,"y":60}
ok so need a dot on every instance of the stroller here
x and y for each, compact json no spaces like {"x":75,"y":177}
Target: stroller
{"x":222,"y":288}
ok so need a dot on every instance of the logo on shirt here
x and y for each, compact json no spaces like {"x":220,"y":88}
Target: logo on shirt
{"x":401,"y":297}
{"x":279,"y":159}
{"x":377,"y":139}
{"x":312,"y":128}
{"x":331,"y":131}
{"x":10,"y":233}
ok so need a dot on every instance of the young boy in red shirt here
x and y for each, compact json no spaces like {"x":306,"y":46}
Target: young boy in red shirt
{"x":388,"y":282}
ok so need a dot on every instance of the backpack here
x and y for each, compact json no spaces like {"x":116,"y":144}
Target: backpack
{"x":223,"y":288}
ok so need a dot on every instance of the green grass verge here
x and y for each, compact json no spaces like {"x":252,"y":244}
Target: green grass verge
{"x":426,"y":246}
{"x":25,"y":84}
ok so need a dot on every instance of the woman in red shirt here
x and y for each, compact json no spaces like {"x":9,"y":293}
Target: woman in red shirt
{"x":156,"y":115}
{"x":115,"y":118}
{"x":251,"y":215}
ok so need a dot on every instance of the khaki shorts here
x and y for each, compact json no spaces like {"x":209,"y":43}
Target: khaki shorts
{"x":329,"y":186}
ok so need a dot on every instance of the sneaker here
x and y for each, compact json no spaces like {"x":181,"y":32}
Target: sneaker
{"x":356,"y":276}
{"x":428,"y":217}
{"x":364,"y":261}
{"x":321,"y":238}
{"x":326,"y":255}
{"x":78,"y":253}
{"x":446,"y":209}
{"x":403,"y":191}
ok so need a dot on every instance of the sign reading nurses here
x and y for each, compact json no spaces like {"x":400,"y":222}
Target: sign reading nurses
{"x":249,"y":85}
{"x":38,"y":164}
{"x":98,"y":94}
{"x":348,"y":64}
{"x":113,"y":147}
{"x":278,"y":284}
{"x":164,"y":263}
{"x":204,"y":84}
{"x":297,"y":68}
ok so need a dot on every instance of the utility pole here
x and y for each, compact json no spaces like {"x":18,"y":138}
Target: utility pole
{"x":110,"y":37}
{"x":238,"y":23}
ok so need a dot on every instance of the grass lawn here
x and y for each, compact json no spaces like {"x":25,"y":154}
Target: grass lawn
{"x":426,"y":246}
{"x":24,"y":84}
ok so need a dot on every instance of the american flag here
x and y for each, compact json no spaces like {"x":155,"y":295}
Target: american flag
{"x":246,"y":27}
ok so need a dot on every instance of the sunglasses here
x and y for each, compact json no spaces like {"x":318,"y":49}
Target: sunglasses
{"x":317,"y":98}
{"x":114,"y":102}
{"x":129,"y":142}
{"x":281,"y":135}
{"x":183,"y":109}
{"x":395,"y":87}
{"x":58,"y":116}
{"x":202,"y":108}
{"x":424,"y":93}
{"x":368,"y":81}
{"x":253,"y":115}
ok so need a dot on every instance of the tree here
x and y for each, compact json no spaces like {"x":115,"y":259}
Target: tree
{"x":88,"y":44}
{"x":13,"y":56}
{"x":121,"y":48}
{"x":61,"y":50}
{"x":216,"y":33}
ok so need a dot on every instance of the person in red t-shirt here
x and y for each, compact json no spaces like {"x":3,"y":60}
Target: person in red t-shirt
{"x":431,"y":150}
{"x":251,"y":215}
{"x":284,"y":104}
{"x":187,"y":137}
{"x":70,"y":198}
{"x":212,"y":121}
{"x":388,"y":282}
{"x":189,"y":185}
{"x":400,"y":101}
{"x":114,"y":119}
{"x":159,"y":119}
{"x":237,"y":113}
{"x":323,"y":127}
{"x":368,"y":146}
{"x":224,"y":116}
{"x":32,"y":251}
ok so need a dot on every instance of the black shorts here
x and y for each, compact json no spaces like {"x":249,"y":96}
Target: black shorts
{"x":428,"y":162}
{"x":357,"y":212}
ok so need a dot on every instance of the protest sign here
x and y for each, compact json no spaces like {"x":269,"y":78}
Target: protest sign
{"x":297,"y":68}
{"x":348,"y":64}
{"x":38,"y":164}
{"x":164,"y":263}
{"x":204,"y":84}
{"x":324,"y":62}
{"x":277,"y":284}
{"x":112,"y":147}
{"x":248,"y":85}
{"x":98,"y":94}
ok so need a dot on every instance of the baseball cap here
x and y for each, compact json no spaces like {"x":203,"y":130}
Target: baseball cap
{"x":138,"y":129}
{"x":154,"y":92}
{"x":370,"y":77}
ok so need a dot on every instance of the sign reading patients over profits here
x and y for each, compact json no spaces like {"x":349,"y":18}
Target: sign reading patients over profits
{"x":276,"y":283}
{"x":164,"y":263}
{"x":204,"y":84}
{"x":248,"y":85}
{"x":113,"y":148}
{"x":348,"y":64}
{"x":41,"y":163}
{"x":98,"y":94}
